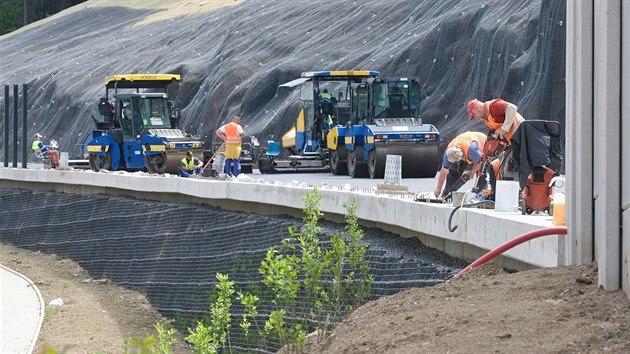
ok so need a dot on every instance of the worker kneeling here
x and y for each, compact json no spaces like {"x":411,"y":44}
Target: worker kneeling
{"x":42,"y":151}
{"x":190,"y":166}
{"x":462,"y":152}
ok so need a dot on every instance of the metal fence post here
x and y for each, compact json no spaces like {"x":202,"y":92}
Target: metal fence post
{"x":24,"y":125}
{"x":6,"y":125}
{"x":15,"y":124}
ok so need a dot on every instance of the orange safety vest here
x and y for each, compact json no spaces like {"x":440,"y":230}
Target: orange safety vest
{"x":492,"y":123}
{"x":464,"y":140}
{"x":231,"y":133}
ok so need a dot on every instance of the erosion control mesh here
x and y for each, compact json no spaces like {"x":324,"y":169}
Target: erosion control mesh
{"x":172,"y":251}
{"x":232,"y":60}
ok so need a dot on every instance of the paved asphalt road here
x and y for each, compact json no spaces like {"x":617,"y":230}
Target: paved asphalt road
{"x":416,"y":185}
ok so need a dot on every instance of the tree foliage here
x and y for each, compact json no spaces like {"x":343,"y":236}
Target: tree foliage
{"x":17,"y":13}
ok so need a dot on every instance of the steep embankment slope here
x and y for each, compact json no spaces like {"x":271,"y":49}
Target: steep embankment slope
{"x":233,"y":58}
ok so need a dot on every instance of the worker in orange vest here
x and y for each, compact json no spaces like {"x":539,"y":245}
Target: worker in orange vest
{"x":461,"y":153}
{"x":503,"y":120}
{"x":498,"y":115}
{"x":232,"y":133}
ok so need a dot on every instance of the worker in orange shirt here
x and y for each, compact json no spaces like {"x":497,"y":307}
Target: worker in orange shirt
{"x":232,"y":133}
{"x":461,"y":153}
{"x":503,"y":120}
{"x":500,"y":116}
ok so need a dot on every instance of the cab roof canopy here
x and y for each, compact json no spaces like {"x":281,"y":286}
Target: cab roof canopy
{"x":133,"y":81}
{"x":340,"y":75}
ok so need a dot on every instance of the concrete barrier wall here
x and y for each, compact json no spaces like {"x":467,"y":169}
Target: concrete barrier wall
{"x":478,"y":230}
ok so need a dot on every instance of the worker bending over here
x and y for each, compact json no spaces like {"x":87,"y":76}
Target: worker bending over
{"x":502,"y":119}
{"x":42,"y":151}
{"x":498,"y":115}
{"x":190,"y":166}
{"x":462,"y":152}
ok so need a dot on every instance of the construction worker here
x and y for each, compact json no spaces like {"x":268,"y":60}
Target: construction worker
{"x":397,"y":99}
{"x":327,"y":104}
{"x":325,"y":95}
{"x":126,"y":115}
{"x":42,"y":151}
{"x":502,"y":118}
{"x":190,"y":166}
{"x":462,"y":152}
{"x":498,"y":115}
{"x":232,"y":133}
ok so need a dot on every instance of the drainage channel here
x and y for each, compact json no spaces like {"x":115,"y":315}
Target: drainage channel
{"x":172,"y":251}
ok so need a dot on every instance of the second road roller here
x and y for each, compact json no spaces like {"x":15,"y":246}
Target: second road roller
{"x":137,"y":127}
{"x":348,"y":124}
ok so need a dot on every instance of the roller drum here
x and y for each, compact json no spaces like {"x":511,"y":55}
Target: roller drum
{"x":418,"y":161}
{"x":166,"y":163}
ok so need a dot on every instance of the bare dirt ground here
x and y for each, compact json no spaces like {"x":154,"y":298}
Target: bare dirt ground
{"x":557,"y":310}
{"x":96,"y":316}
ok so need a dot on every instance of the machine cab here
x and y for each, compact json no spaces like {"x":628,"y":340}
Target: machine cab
{"x":327,"y":101}
{"x":137,"y":112}
{"x":396,"y":98}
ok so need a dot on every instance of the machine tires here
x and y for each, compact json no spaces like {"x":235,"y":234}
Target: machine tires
{"x":338,"y":163}
{"x":156,"y":163}
{"x":376,"y":169}
{"x":265,"y":165}
{"x":357,"y":167}
{"x":100,"y":162}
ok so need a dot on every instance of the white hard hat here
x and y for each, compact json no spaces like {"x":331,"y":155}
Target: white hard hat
{"x":38,"y":135}
{"x":454,"y":154}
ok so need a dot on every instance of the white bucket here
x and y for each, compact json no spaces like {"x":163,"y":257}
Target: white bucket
{"x":63,"y":159}
{"x":219,"y":163}
{"x":506,"y":196}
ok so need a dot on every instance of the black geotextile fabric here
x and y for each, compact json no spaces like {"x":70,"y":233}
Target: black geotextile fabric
{"x":233,"y":59}
{"x":172,"y":251}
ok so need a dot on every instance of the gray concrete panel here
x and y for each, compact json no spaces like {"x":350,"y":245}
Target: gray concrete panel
{"x":625,"y":105}
{"x":478,"y":229}
{"x":625,"y":153}
{"x":579,"y":132}
{"x":606,"y":87}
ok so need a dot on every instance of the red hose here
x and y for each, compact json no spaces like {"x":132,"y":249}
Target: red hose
{"x":560,"y":230}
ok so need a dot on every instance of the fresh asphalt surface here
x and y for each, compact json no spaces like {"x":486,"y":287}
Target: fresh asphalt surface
{"x":416,"y":185}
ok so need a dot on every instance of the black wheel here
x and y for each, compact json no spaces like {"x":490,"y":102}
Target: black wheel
{"x":338,"y":163}
{"x":265,"y":165}
{"x":246,"y":169}
{"x":375,"y":169}
{"x":100,"y":162}
{"x":156,"y":163}
{"x":357,"y":167}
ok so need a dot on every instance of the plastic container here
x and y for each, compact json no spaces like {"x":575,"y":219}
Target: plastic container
{"x":219,"y":163}
{"x":559,"y":211}
{"x":63,"y":159}
{"x":506,"y":196}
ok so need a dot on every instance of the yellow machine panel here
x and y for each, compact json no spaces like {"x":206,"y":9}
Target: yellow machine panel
{"x":331,"y":138}
{"x":288,"y":139}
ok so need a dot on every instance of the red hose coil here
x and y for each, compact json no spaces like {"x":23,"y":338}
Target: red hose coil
{"x":560,"y":230}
